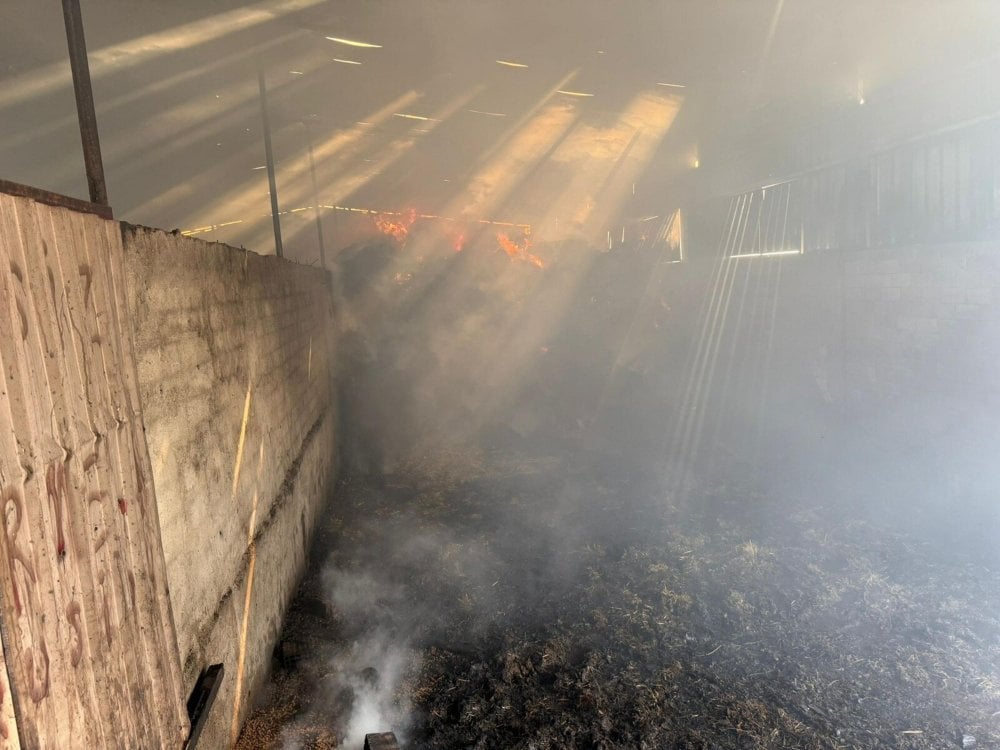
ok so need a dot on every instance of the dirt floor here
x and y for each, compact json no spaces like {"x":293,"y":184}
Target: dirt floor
{"x":499,"y":599}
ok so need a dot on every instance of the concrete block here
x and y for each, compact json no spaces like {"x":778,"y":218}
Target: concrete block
{"x":917,"y":325}
{"x":900,"y":279}
{"x":952,"y":295}
{"x":979,"y":296}
{"x":964,"y":311}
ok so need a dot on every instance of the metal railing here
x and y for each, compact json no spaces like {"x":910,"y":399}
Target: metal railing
{"x":936,"y":189}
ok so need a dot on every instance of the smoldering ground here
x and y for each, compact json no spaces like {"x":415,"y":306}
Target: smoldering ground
{"x":623,"y":619}
{"x":535,"y":583}
{"x":408,"y":571}
{"x":510,"y":542}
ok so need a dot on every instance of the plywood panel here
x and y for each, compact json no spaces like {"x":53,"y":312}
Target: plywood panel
{"x":9,"y":738}
{"x":88,"y":632}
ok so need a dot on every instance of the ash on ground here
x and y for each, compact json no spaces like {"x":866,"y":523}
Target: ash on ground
{"x":498,"y":598}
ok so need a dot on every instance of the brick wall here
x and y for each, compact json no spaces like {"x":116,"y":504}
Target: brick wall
{"x":234,"y":354}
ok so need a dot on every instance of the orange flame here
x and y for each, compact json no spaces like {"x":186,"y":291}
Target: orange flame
{"x":516,"y":251}
{"x":458,"y":242}
{"x":508,"y":245}
{"x":398,"y":229}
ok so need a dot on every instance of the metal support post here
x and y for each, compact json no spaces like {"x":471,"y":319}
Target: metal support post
{"x":315,"y":189}
{"x":84,"y":102}
{"x":272,"y":184}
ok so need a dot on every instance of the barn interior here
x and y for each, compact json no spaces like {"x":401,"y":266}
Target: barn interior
{"x":500,"y":375}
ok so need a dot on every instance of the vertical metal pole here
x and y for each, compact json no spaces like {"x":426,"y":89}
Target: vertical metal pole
{"x":272,"y":184}
{"x":680,"y":235}
{"x":319,"y":220}
{"x":84,"y":102}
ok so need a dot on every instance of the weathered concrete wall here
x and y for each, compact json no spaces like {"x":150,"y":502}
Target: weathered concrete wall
{"x":88,"y":637}
{"x":234,"y":354}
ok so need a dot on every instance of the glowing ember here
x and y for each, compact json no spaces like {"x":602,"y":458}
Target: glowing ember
{"x":458,"y":242}
{"x":516,"y":251}
{"x":396,"y":226}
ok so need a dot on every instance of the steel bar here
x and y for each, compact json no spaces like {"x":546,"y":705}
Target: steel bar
{"x":85,"y":102}
{"x":269,"y":155}
{"x":315,"y":189}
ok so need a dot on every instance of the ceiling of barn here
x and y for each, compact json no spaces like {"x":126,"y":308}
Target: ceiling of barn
{"x":176,"y":88}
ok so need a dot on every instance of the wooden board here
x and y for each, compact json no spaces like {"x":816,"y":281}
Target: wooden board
{"x":88,"y":634}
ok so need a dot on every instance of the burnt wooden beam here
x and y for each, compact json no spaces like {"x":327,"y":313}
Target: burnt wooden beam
{"x":381,"y":741}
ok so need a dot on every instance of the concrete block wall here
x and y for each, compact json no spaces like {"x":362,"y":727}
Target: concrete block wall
{"x":922,"y":318}
{"x":892,"y":351}
{"x":765,"y":339}
{"x":234,"y":354}
{"x":873,"y":325}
